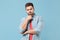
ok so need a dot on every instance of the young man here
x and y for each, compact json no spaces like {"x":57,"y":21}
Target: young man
{"x":30,"y":26}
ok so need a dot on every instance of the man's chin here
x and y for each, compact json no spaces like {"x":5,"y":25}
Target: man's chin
{"x":29,"y":14}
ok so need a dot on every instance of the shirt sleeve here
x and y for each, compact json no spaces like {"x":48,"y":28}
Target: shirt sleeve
{"x":20,"y":28}
{"x":39,"y":25}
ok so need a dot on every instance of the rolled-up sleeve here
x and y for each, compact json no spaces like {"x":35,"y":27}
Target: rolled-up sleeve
{"x":39,"y":25}
{"x":20,"y":27}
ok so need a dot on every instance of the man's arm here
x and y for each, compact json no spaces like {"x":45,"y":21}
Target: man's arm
{"x":24,"y":24}
{"x":31,"y":31}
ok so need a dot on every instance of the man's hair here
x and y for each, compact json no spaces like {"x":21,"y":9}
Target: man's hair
{"x":29,"y":4}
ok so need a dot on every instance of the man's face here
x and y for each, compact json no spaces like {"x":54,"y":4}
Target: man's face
{"x":30,"y":10}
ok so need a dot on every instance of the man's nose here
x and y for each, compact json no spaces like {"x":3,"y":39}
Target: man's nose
{"x":29,"y":10}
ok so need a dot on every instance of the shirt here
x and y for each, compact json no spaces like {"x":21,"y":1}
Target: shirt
{"x":37,"y":24}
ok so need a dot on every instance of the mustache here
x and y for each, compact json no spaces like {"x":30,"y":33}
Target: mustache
{"x":30,"y":12}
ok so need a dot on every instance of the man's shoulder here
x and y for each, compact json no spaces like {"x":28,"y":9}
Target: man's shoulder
{"x":37,"y":16}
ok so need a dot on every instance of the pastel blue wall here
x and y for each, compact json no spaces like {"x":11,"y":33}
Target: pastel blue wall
{"x":11,"y":11}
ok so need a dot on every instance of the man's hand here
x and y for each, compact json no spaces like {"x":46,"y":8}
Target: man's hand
{"x":24,"y":25}
{"x":30,"y":32}
{"x":29,"y":17}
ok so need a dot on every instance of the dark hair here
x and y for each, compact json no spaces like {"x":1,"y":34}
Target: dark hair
{"x":29,"y":4}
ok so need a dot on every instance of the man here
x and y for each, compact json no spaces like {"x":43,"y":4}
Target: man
{"x":30,"y":26}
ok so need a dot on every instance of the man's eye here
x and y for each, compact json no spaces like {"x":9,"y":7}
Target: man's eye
{"x":27,"y":9}
{"x":31,"y":9}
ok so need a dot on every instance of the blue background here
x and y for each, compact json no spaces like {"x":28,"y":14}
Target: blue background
{"x":11,"y":11}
